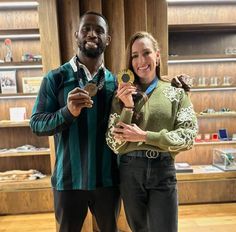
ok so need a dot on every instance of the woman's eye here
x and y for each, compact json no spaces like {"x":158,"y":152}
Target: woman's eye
{"x":146,"y":53}
{"x":134,"y":56}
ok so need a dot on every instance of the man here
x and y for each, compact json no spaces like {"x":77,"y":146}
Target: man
{"x":73,"y":104}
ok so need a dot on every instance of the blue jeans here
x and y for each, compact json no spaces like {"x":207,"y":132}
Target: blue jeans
{"x":149,"y":192}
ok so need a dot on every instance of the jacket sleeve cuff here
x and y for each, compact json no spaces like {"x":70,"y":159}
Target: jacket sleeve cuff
{"x":126,"y":115}
{"x":69,"y":118}
{"x":152,"y":138}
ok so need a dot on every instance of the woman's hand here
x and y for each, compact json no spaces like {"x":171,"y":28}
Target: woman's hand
{"x":129,"y":133}
{"x":125,"y":92}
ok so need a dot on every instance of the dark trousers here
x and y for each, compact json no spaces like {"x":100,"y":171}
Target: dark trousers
{"x":71,"y":207}
{"x":149,"y":192}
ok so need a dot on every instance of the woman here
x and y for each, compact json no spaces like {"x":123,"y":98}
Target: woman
{"x":150,"y":123}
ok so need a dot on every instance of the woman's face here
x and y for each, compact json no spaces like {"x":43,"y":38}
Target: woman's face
{"x":144,"y":59}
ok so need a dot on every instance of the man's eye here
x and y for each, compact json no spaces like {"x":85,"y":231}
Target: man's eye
{"x":99,"y":31}
{"x":85,"y":29}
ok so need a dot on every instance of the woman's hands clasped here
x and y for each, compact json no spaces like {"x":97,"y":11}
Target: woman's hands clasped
{"x":129,"y":133}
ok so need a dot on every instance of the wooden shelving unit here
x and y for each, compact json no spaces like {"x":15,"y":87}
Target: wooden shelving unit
{"x":198,"y":45}
{"x":22,"y":196}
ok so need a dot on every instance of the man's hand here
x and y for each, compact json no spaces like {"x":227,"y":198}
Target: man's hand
{"x":182,"y":81}
{"x":77,"y":100}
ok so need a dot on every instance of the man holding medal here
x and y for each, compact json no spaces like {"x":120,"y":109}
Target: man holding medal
{"x":73,"y":104}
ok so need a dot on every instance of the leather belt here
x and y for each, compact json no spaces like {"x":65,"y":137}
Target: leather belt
{"x":148,"y":154}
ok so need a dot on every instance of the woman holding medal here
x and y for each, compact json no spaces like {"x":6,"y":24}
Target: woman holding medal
{"x":150,"y":123}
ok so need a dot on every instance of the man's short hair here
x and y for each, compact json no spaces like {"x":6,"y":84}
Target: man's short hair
{"x":95,"y":13}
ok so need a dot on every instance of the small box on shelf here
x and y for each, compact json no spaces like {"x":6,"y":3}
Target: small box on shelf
{"x":225,"y":159}
{"x":183,"y":167}
{"x":17,"y":113}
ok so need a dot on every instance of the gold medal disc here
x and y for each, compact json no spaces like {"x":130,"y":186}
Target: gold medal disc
{"x":91,"y":88}
{"x":125,"y":76}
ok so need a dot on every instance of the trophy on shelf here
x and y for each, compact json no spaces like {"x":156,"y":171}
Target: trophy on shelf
{"x":8,"y":57}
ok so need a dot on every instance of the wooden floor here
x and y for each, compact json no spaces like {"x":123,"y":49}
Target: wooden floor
{"x":194,"y":218}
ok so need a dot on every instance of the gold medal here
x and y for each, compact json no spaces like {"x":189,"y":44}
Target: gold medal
{"x":91,"y":88}
{"x":125,"y":76}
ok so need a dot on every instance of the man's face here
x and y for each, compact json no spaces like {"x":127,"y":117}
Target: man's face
{"x":92,"y":36}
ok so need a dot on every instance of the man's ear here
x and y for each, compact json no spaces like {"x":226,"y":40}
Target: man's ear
{"x":76,"y":34}
{"x":158,"y":57}
{"x":108,"y":40}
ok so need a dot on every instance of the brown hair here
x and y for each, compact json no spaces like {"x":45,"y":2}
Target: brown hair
{"x":133,"y":38}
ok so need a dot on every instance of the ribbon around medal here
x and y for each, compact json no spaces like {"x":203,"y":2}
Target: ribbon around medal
{"x":91,"y":88}
{"x":125,"y":76}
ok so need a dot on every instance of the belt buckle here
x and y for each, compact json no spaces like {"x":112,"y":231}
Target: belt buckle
{"x":151,"y":154}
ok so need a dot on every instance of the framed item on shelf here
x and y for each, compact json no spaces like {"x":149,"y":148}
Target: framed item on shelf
{"x":8,"y":82}
{"x":31,"y":84}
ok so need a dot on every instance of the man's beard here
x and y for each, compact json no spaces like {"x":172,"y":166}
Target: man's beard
{"x":92,"y":53}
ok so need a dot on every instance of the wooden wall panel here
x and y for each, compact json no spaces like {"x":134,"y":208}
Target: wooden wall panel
{"x":115,"y":57}
{"x":27,"y":201}
{"x":157,"y":25}
{"x":195,"y":42}
{"x":207,"y":191}
{"x":48,"y":26}
{"x":205,"y":69}
{"x":90,"y":5}
{"x":17,"y":19}
{"x":5,"y":105}
{"x":202,"y":13}
{"x":18,"y":136}
{"x":214,"y":100}
{"x":39,"y":163}
{"x":135,"y":17}
{"x":20,"y":47}
{"x":68,"y":19}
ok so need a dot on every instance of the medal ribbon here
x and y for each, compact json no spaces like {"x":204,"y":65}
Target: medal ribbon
{"x":82,"y":81}
{"x":152,"y":86}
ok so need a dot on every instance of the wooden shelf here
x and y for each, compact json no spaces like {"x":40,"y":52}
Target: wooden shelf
{"x":19,"y":31}
{"x":200,"y":174}
{"x":20,"y":154}
{"x":201,"y":58}
{"x":199,"y":2}
{"x":202,"y":27}
{"x":18,"y":5}
{"x":20,"y":36}
{"x":43,"y":183}
{"x":213,"y":88}
{"x":214,"y":143}
{"x":21,"y":65}
{"x":18,"y":96}
{"x":9,"y":124}
{"x":217,"y":115}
